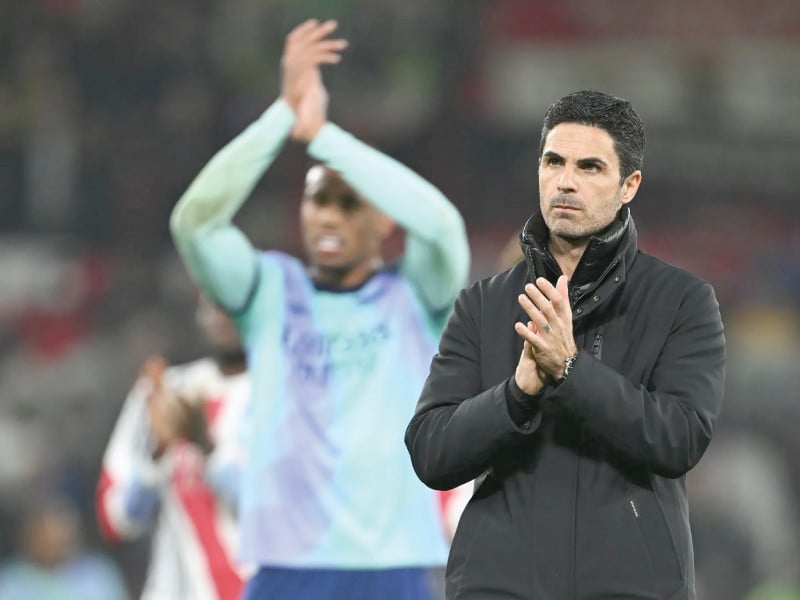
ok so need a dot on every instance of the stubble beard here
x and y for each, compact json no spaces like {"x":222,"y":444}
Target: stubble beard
{"x":574,"y":231}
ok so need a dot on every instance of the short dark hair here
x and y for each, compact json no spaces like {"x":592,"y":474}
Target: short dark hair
{"x":598,"y":109}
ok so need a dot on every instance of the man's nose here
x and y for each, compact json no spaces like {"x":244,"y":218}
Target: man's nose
{"x":566,"y":183}
{"x":330,"y":212}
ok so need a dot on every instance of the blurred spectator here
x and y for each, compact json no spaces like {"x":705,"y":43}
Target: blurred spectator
{"x":172,"y":467}
{"x":51,"y":563}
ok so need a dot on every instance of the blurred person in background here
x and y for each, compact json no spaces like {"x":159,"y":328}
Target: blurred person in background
{"x":172,"y":467}
{"x":52,"y":565}
{"x":338,"y":348}
{"x":579,"y":387}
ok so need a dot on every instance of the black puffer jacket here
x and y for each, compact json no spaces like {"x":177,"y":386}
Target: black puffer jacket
{"x":586,"y":498}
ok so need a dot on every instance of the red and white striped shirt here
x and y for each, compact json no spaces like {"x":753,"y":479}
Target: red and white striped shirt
{"x":187,"y":500}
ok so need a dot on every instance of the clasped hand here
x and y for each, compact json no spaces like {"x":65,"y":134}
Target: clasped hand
{"x":173,"y":418}
{"x":547,"y":336}
{"x":306,"y":49}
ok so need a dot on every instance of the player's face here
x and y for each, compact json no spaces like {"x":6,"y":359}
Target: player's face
{"x":579,"y":181}
{"x":51,"y":534}
{"x":342,"y":233}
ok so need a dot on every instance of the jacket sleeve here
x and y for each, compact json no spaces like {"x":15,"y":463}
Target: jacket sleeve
{"x":459,"y":427}
{"x":436,"y":258}
{"x":129,"y":491}
{"x":217,"y":254}
{"x":665,"y":425}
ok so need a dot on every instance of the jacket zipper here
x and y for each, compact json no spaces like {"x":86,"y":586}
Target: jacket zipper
{"x":573,"y":584}
{"x":597,"y":345}
{"x":597,"y":352}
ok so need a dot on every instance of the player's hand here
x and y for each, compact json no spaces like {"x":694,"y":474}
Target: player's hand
{"x":529,"y":376}
{"x":172,"y":417}
{"x":160,"y":405}
{"x":153,"y":369}
{"x":305,"y":50}
{"x":312,"y":112}
{"x":550,"y":338}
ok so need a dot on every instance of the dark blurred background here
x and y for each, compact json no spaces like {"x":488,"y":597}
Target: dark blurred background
{"x":108,"y":108}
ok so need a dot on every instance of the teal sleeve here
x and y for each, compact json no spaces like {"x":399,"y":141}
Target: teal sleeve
{"x":217,"y":254}
{"x":436,"y":257}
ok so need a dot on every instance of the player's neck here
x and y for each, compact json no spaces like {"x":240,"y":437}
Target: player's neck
{"x":348,"y":277}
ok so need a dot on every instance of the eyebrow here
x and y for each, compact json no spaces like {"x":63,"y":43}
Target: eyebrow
{"x":326,"y":196}
{"x":550,"y":154}
{"x":589,"y":160}
{"x":592,"y":161}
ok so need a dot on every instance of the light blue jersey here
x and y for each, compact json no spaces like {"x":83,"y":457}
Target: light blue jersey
{"x":335,"y":420}
{"x":335,"y":374}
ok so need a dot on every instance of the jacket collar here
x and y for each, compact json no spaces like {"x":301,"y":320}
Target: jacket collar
{"x":609,"y":252}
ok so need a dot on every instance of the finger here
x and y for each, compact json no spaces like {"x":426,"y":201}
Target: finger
{"x":325,"y":58}
{"x":321,"y":30}
{"x":331,"y":45}
{"x":527,"y":352}
{"x":562,"y":286}
{"x":310,"y":36}
{"x":333,"y":59}
{"x":301,"y":31}
{"x":542,"y":303}
{"x":536,"y":295}
{"x":312,"y":57}
{"x":153,"y":369}
{"x":548,"y":289}
{"x":554,"y":296}
{"x":526,"y":333}
{"x":550,"y":301}
{"x":539,"y":320}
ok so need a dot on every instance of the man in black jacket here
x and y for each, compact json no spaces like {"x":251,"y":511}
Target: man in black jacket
{"x":577,"y":388}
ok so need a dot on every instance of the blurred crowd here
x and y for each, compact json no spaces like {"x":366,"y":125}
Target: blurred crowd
{"x":108,"y":109}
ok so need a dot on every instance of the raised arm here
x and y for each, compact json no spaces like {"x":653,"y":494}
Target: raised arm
{"x":436,"y":258}
{"x":129,"y":491}
{"x":217,"y":253}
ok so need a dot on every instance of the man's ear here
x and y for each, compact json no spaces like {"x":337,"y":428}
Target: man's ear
{"x":630,"y":186}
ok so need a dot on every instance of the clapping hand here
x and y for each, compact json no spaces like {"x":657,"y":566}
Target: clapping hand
{"x":307,"y":47}
{"x":549,"y":331}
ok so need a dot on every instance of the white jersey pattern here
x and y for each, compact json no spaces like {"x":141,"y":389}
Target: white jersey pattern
{"x":187,"y":500}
